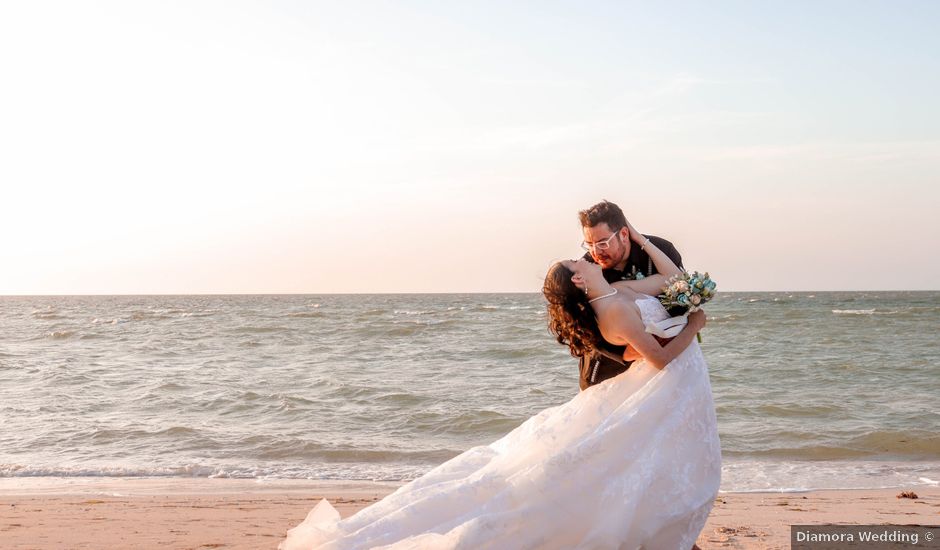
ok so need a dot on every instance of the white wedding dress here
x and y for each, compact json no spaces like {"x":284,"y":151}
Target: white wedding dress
{"x":630,"y":463}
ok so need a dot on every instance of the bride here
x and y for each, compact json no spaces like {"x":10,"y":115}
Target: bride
{"x":633,"y":462}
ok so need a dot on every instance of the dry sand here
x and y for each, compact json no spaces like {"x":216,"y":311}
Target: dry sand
{"x":197,"y":514}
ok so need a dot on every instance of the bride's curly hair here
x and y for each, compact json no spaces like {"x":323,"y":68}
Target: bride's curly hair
{"x":570,"y":317}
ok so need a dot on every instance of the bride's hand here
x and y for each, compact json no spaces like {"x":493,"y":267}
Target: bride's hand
{"x":697,"y":319}
{"x":635,"y":235}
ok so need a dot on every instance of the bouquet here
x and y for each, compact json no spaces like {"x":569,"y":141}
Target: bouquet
{"x":685,"y":290}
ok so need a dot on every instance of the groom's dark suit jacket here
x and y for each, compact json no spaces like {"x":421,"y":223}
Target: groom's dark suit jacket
{"x":607,"y":361}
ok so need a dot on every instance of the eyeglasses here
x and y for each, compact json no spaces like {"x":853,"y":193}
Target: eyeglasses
{"x":599,"y":245}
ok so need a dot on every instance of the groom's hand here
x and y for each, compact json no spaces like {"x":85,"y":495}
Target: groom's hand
{"x":631,"y":354}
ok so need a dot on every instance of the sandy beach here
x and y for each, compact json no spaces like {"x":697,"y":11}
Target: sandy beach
{"x":244,"y":514}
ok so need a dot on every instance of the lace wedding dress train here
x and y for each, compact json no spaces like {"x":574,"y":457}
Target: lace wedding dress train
{"x":634,"y":462}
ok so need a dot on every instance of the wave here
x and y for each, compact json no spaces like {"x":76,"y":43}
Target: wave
{"x":48,"y":315}
{"x":435,"y":457}
{"x":115,"y":321}
{"x":305,"y":451}
{"x":397,"y":329}
{"x":721,"y":318}
{"x":374,"y":312}
{"x":871,"y":312}
{"x":738,"y":476}
{"x":503,"y":355}
{"x":108,"y":435}
{"x":789,"y":476}
{"x":170,"y":386}
{"x":319,"y":471}
{"x":260,"y":330}
{"x":780,"y":411}
{"x":907,"y":445}
{"x":153,"y":315}
{"x":484,"y":422}
{"x":191,"y":470}
{"x":203,"y":313}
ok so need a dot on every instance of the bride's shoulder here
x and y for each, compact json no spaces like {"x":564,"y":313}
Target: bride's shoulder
{"x":625,"y":306}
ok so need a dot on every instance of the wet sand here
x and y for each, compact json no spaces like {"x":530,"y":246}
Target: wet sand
{"x":197,"y":514}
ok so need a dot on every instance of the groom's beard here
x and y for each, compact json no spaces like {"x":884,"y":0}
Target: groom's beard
{"x":605,"y":261}
{"x":608,"y":261}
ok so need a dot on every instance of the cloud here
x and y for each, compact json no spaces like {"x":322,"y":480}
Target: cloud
{"x":869,"y":152}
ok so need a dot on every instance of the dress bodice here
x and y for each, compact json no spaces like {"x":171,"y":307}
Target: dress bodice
{"x":651,"y":310}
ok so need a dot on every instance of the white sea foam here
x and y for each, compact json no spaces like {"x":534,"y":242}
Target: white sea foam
{"x":97,"y":321}
{"x":738,"y":476}
{"x":742,"y":476}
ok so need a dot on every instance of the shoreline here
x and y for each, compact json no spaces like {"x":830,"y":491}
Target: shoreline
{"x":178,"y":513}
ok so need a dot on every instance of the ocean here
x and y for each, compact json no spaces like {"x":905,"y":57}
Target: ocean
{"x":813,"y":390}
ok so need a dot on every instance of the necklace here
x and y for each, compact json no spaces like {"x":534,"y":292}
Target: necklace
{"x":608,"y":295}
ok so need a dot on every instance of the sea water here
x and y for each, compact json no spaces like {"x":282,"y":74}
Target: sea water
{"x":813,"y":390}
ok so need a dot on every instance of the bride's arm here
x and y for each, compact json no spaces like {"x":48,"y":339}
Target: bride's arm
{"x":653,"y":284}
{"x":664,"y":265}
{"x":632,"y":329}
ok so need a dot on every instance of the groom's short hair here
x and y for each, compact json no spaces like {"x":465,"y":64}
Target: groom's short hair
{"x":603,"y":212}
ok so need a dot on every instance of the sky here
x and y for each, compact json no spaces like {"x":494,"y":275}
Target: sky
{"x":371,"y":147}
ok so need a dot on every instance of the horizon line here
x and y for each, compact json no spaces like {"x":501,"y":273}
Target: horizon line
{"x":91,"y":295}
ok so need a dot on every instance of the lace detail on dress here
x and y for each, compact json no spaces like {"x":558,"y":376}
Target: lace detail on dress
{"x":650,"y":309}
{"x":633,"y":462}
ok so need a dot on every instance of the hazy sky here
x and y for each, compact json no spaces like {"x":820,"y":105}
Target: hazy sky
{"x":229,"y":147}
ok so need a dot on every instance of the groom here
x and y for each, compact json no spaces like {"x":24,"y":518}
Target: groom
{"x":607,"y":241}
